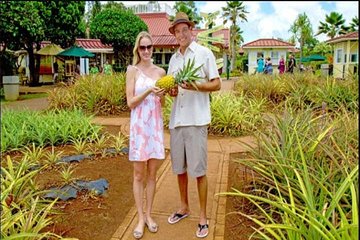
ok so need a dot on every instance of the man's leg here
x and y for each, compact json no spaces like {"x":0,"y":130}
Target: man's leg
{"x":202,"y":191}
{"x":183,"y":189}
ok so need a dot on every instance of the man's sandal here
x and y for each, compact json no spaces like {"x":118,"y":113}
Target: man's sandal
{"x":176,"y":217}
{"x":203,"y":230}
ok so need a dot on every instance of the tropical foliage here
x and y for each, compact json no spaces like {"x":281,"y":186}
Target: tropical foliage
{"x":302,"y":31}
{"x":234,"y":12}
{"x":119,"y":28}
{"x":189,"y":8}
{"x":24,"y":24}
{"x":333,"y":26}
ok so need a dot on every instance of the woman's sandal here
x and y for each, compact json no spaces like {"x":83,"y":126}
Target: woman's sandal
{"x":152,"y":227}
{"x":138,"y":234}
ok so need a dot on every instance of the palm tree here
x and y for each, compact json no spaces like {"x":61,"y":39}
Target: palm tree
{"x":333,"y":25}
{"x":302,"y":31}
{"x":354,"y":25}
{"x":233,"y":11}
{"x":189,"y":8}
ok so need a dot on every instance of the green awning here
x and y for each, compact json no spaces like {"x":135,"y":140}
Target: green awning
{"x":76,"y":51}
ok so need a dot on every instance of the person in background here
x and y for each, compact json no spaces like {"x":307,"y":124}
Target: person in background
{"x":189,"y":120}
{"x":107,"y":70}
{"x":268,"y":66}
{"x":291,"y":64}
{"x":146,"y":148}
{"x":56,"y":71}
{"x":281,"y":66}
{"x":260,"y":64}
{"x":94,"y":69}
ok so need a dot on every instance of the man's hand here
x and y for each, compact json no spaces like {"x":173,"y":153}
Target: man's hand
{"x":173,"y":92}
{"x":189,"y":86}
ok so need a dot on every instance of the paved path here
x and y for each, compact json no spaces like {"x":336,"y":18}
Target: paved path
{"x":167,"y":198}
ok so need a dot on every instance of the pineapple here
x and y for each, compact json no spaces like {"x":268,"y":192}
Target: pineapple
{"x":186,"y":75}
{"x":167,"y":82}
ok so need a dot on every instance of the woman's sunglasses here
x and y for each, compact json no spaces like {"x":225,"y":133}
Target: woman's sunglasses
{"x":148,"y":47}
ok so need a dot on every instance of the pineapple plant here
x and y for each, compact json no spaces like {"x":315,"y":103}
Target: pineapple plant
{"x":186,"y":75}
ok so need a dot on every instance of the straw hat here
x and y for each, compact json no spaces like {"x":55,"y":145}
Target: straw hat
{"x":180,"y":17}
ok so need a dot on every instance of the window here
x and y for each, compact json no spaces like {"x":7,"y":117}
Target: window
{"x":157,"y":58}
{"x":354,"y":58}
{"x":167,"y":57}
{"x":274,"y":57}
{"x":339,"y":54}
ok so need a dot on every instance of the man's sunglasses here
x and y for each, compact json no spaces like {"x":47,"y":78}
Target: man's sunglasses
{"x":148,"y":47}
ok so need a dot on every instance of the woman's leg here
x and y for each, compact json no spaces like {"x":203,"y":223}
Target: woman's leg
{"x":138,"y":189}
{"x":152,"y":167}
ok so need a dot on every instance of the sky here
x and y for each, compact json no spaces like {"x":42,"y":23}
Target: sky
{"x":272,"y":19}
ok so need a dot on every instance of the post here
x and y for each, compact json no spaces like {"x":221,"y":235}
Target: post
{"x":227,"y":67}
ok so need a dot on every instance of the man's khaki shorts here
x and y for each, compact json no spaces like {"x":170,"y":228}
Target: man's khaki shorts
{"x":188,"y":147}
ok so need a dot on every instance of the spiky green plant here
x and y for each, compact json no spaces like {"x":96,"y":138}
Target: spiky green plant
{"x":120,"y":141}
{"x":187,"y":74}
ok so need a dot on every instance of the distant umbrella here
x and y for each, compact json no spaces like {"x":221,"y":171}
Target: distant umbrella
{"x":50,"y":50}
{"x":76,"y":51}
{"x":305,"y":59}
{"x":316,"y":57}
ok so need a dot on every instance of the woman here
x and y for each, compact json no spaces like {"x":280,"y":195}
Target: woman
{"x":268,"y":66}
{"x":281,"y":66}
{"x":260,"y":65}
{"x":146,"y":127}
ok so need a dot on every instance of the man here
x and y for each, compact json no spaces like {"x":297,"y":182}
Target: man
{"x":189,"y":119}
{"x":291,"y":64}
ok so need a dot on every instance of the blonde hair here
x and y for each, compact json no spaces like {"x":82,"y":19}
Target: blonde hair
{"x":141,"y":35}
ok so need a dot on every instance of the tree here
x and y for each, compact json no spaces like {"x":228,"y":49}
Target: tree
{"x":233,"y":11}
{"x":322,"y":48}
{"x":115,"y":5}
{"x":25,"y":24}
{"x":333,"y":25}
{"x":354,"y":25}
{"x":118,"y":27}
{"x":22,"y":26}
{"x":189,"y":8}
{"x":65,"y":22}
{"x":94,"y":7}
{"x":302,"y":31}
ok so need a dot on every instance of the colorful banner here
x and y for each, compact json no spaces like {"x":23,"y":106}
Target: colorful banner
{"x":45,"y":65}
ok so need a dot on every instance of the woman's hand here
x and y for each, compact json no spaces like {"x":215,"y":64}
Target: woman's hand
{"x":158,"y":91}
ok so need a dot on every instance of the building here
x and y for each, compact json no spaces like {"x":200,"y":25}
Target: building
{"x":165,"y":43}
{"x":267,"y":47}
{"x":346,"y":54}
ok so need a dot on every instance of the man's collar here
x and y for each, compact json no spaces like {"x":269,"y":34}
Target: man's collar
{"x":192,"y":47}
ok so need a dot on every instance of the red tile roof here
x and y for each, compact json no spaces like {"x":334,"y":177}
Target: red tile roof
{"x":345,"y":37}
{"x":268,"y":43}
{"x":158,"y":23}
{"x":92,"y":44}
